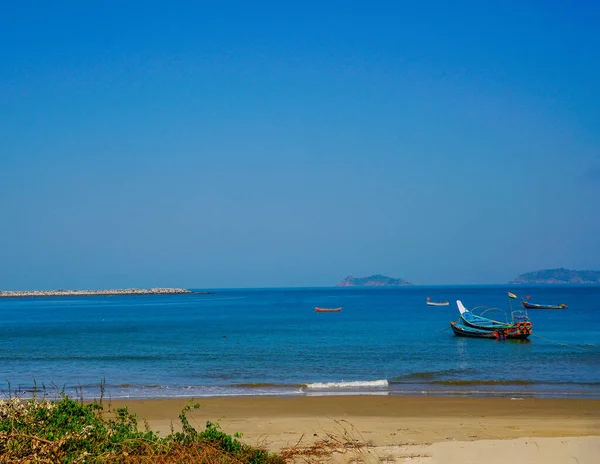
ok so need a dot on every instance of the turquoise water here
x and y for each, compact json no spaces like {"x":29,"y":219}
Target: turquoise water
{"x":272,"y":342}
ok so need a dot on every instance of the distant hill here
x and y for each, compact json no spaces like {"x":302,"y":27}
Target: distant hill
{"x":373,"y":281}
{"x":558,"y":276}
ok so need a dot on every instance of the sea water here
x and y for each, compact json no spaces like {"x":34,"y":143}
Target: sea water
{"x":272,"y":342}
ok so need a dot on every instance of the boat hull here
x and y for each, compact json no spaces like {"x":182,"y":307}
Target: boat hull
{"x":538,"y":306}
{"x":328,"y":310}
{"x":499,"y":334}
{"x":435,"y":303}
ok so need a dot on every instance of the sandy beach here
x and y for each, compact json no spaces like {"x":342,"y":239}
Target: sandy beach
{"x":400,"y":428}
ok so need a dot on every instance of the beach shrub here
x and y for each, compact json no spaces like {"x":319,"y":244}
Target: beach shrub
{"x":69,"y":431}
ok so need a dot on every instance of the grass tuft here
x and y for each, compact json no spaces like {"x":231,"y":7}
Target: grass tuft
{"x":69,"y":431}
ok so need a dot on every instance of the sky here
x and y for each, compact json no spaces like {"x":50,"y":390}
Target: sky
{"x":280,"y":144}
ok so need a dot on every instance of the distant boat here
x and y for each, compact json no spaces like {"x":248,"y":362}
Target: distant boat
{"x":539,"y":306}
{"x":437,"y":303}
{"x":328,"y":310}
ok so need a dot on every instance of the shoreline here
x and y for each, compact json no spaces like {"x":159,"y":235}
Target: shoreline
{"x":105,"y":292}
{"x":199,"y":393}
{"x":419,"y":429}
{"x":466,"y":388}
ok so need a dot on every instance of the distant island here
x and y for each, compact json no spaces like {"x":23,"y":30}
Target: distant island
{"x":558,"y":276}
{"x":109,"y":292}
{"x":373,"y":281}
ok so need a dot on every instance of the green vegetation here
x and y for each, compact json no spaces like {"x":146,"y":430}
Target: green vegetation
{"x":69,"y":431}
{"x":558,"y":276}
{"x":373,"y":281}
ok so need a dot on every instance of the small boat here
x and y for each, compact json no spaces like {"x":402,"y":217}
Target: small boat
{"x":328,"y":310}
{"x":539,"y":306}
{"x":436,"y":303}
{"x":474,"y":325}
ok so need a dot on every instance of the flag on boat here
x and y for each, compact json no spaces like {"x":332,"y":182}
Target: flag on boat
{"x":512,"y":295}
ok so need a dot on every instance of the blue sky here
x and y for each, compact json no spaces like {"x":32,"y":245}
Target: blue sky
{"x":239,"y":145}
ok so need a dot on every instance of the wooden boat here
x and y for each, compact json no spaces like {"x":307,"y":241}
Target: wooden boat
{"x":437,"y":303}
{"x":474,"y":325}
{"x":528,"y":305}
{"x":328,"y":310}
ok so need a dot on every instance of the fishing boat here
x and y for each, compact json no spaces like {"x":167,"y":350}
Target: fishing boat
{"x":528,"y":305}
{"x":475,"y":325}
{"x":436,"y":303}
{"x":327,"y":310}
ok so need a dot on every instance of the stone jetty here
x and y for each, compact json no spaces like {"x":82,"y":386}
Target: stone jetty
{"x":109,"y":292}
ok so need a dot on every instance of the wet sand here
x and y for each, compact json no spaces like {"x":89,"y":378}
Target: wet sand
{"x":401,"y":428}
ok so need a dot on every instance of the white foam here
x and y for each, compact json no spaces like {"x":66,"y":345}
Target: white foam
{"x":347,"y":393}
{"x":356,"y":384}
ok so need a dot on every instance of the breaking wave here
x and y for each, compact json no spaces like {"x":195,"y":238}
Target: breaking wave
{"x":356,"y":384}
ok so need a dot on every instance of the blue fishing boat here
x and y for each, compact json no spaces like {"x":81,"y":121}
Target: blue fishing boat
{"x":474,"y":325}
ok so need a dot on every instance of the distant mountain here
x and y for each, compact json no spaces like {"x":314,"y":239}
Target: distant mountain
{"x":558,"y":276}
{"x":373,"y":281}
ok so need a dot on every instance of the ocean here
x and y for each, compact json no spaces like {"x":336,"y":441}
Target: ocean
{"x":237,"y":342}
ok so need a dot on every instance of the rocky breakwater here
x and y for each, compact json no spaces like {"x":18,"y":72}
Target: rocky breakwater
{"x":109,"y":292}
